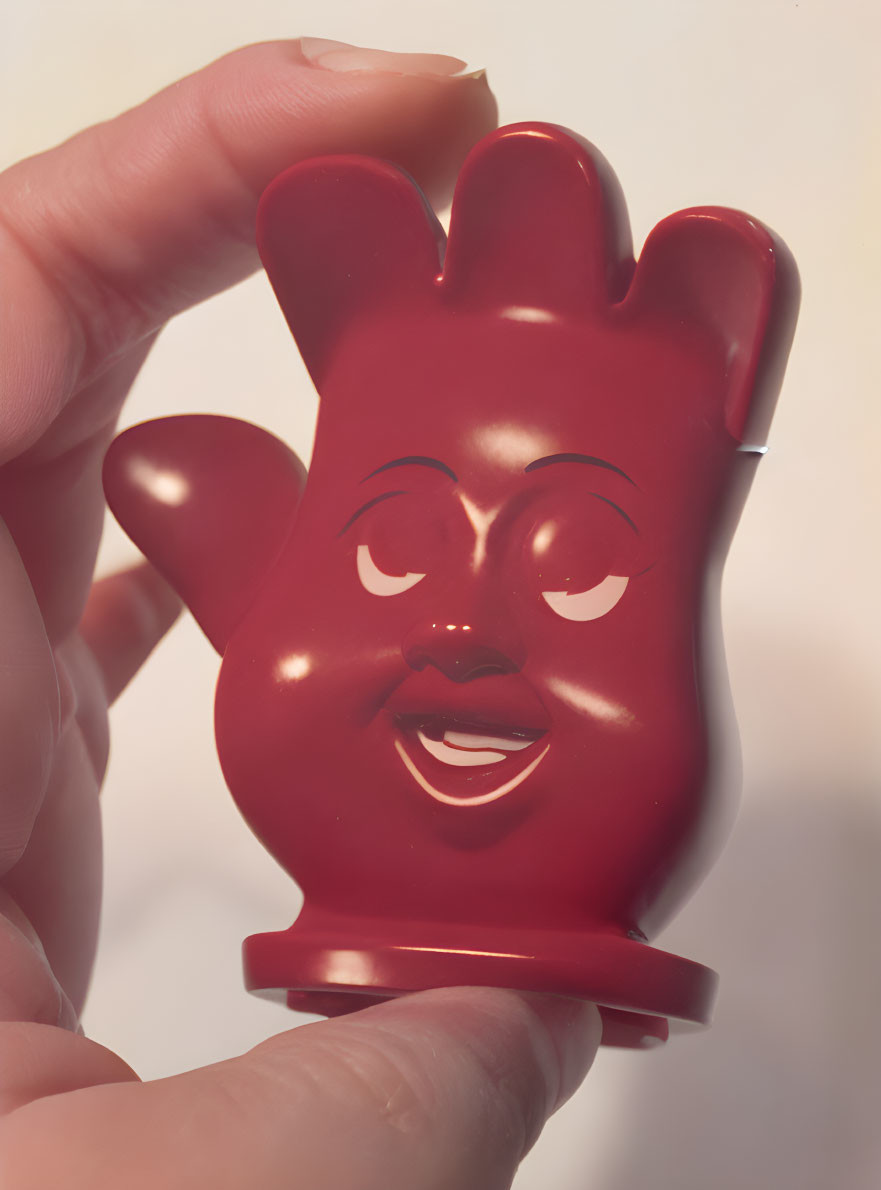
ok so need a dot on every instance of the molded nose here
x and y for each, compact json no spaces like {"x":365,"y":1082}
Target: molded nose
{"x":458,"y":650}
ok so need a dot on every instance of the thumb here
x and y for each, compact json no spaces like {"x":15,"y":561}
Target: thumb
{"x":443,"y":1090}
{"x":447,"y":1089}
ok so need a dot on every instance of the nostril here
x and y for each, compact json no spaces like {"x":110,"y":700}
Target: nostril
{"x":457,"y":652}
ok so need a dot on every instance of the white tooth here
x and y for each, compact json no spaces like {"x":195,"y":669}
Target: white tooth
{"x":466,"y":739}
{"x":442,"y":751}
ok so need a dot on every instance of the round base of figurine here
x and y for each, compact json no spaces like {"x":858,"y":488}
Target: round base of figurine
{"x":333,"y":968}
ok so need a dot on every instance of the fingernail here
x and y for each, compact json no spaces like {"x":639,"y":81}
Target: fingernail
{"x":67,"y":1017}
{"x":337,"y":55}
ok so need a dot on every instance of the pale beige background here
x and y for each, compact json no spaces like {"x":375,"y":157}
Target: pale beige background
{"x":770,"y":105}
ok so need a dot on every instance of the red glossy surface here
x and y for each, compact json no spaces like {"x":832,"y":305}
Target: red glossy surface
{"x":471,"y":696}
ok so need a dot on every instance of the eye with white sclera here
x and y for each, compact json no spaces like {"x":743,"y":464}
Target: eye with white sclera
{"x":376,"y":581}
{"x":587,"y":605}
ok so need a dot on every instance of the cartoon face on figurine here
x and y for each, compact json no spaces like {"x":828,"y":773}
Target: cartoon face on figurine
{"x":478,"y":635}
{"x":463,"y":683}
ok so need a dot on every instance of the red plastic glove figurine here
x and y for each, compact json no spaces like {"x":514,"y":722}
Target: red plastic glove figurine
{"x":472,"y":689}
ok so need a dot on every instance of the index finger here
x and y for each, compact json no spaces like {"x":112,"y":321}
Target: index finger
{"x":105,"y":238}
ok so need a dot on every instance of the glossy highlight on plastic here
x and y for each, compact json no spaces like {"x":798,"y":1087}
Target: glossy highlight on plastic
{"x":472,"y":695}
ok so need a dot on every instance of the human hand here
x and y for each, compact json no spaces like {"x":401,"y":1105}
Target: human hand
{"x":101,"y":241}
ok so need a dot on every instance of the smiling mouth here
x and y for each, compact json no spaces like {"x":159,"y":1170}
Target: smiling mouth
{"x":464,"y":762}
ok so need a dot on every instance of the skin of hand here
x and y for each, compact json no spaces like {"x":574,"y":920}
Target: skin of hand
{"x":102,"y":240}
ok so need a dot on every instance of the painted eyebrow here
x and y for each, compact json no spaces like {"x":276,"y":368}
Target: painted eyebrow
{"x":620,"y":511}
{"x":418,"y":461}
{"x":577,"y":458}
{"x":364,"y":508}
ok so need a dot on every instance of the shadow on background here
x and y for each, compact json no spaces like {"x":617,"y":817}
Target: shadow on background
{"x":784,"y":1092}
